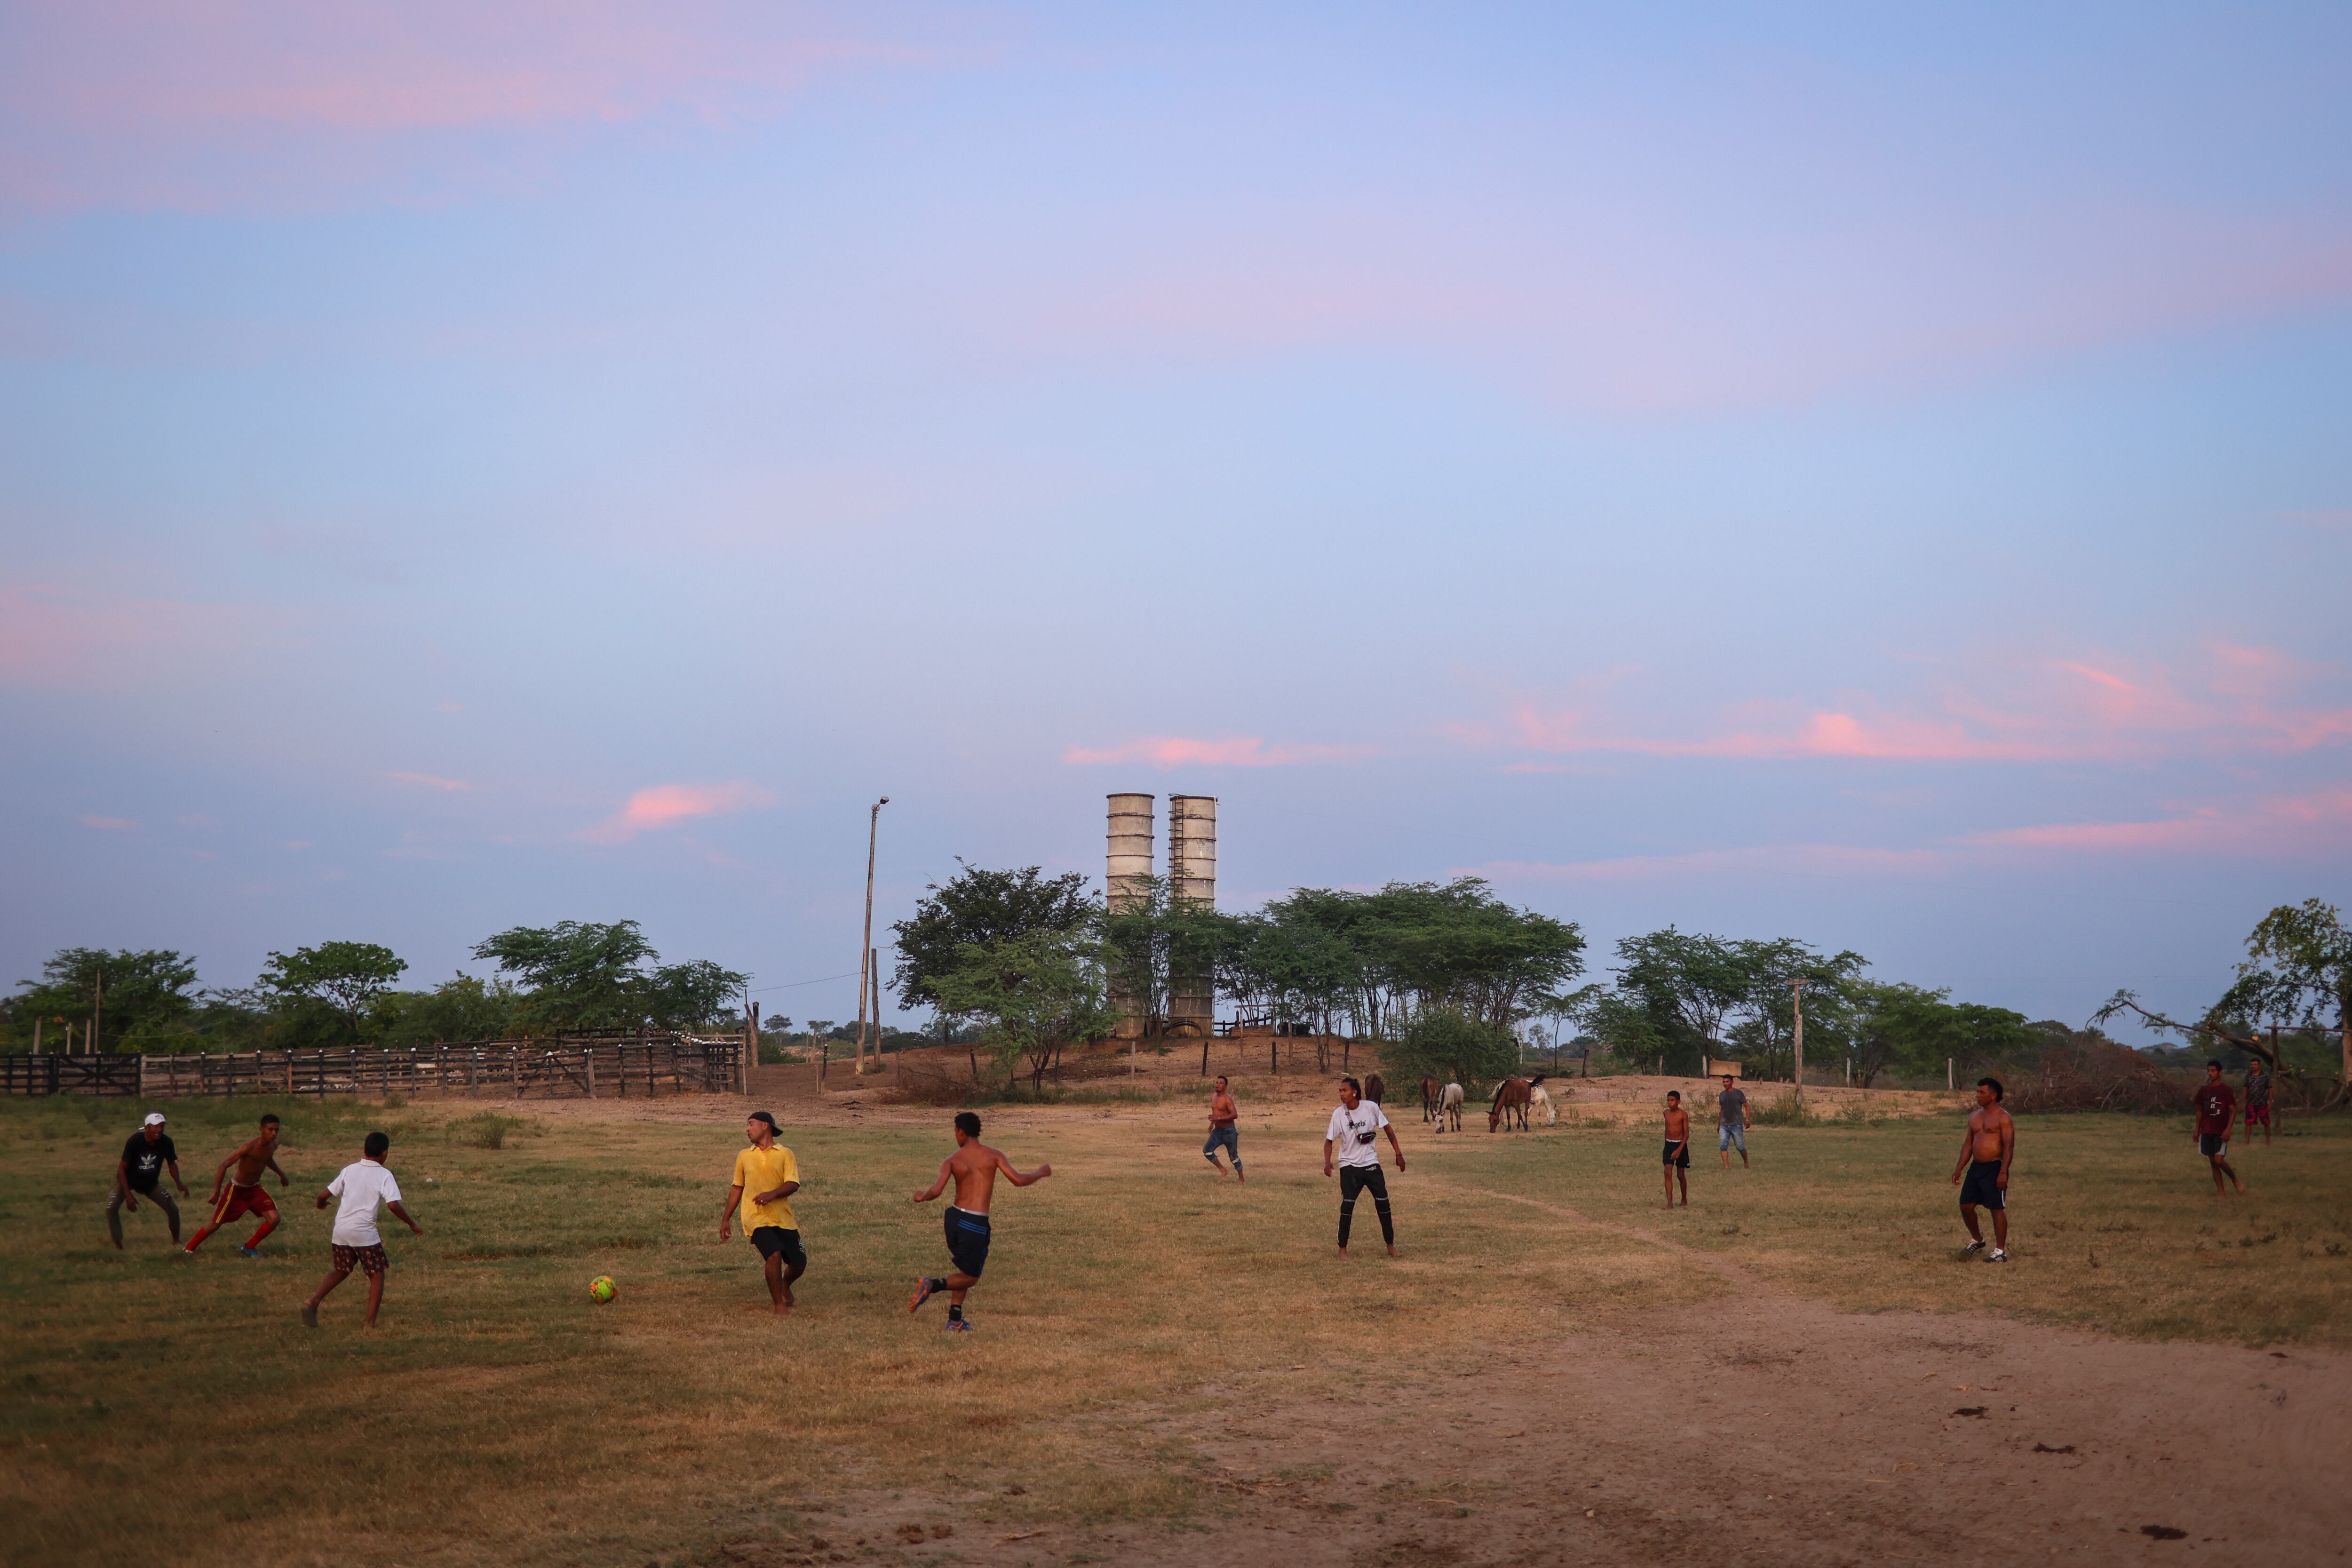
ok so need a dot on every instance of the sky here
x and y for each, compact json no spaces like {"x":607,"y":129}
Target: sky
{"x":1878,"y":477}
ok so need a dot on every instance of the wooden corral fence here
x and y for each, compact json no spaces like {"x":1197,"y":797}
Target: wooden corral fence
{"x":611,"y":1066}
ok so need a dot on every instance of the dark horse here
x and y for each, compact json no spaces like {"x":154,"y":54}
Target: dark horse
{"x":1374,"y":1089}
{"x":1429,"y":1099}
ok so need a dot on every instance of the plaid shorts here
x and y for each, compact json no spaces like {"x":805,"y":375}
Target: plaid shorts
{"x":368,"y":1260}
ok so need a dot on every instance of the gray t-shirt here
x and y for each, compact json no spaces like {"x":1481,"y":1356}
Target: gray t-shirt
{"x":1731,"y":1109}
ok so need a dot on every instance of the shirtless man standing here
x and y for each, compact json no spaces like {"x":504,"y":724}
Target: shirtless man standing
{"x":243,"y":1194}
{"x":972,"y":1167}
{"x":1222,"y":1114}
{"x":1677,"y":1156}
{"x":1986,"y":1148}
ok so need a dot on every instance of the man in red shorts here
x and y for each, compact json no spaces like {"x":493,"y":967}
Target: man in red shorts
{"x":243,"y":1194}
{"x":2258,"y":1097}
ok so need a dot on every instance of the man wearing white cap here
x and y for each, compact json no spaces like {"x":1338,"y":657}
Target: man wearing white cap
{"x":140,"y":1174}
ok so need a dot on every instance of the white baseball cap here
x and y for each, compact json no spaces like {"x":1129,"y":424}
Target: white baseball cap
{"x":154,"y":1119}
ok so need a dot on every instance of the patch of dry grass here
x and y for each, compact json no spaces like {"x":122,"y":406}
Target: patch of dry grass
{"x":1131,"y":1299}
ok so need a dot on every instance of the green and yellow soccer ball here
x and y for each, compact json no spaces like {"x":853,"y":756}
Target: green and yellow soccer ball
{"x":601,"y":1289}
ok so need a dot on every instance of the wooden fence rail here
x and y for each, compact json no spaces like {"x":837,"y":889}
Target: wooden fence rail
{"x":496,"y":1069}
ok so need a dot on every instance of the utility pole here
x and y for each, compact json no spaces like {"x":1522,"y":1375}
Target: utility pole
{"x":1797,"y":989}
{"x":865,"y":947}
{"x":97,"y":1007}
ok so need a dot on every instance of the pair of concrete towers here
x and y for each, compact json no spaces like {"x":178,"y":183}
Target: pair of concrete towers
{"x":1191,"y":877}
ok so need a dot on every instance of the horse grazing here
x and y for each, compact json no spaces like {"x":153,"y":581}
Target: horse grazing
{"x":1429,"y":1099}
{"x":1511,"y":1095}
{"x":1449,"y":1106}
{"x":1539,"y":1099}
{"x":1375,"y":1090}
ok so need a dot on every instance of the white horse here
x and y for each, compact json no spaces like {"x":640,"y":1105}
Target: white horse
{"x":1539,"y":1100}
{"x":1449,"y":1106}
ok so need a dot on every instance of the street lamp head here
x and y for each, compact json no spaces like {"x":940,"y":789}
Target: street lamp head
{"x":884,"y":801}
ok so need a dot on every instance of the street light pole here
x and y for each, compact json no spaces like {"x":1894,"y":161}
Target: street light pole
{"x":865,"y":948}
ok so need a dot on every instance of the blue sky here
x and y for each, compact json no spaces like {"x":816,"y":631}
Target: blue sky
{"x":1882,"y":480}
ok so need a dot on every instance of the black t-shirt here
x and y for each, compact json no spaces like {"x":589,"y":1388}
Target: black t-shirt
{"x":145,"y":1160}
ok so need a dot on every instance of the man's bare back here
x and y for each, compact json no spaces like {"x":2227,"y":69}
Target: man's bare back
{"x":973,"y":1168}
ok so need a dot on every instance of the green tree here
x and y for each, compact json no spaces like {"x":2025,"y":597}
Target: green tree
{"x":461,"y":1008}
{"x":145,"y":994}
{"x":1446,"y":1043}
{"x":978,"y":906}
{"x":1032,"y":994}
{"x":347,"y":976}
{"x":583,"y":976}
{"x":1906,"y":1029}
{"x":1154,"y":937}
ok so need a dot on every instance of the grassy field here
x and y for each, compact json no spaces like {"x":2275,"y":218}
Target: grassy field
{"x":498,"y":1416}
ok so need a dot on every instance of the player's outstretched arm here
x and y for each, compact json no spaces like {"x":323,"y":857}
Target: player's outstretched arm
{"x":411,"y":1224}
{"x":1019,"y":1178}
{"x":938,"y":1187}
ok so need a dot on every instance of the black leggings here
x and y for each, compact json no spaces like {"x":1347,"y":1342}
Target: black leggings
{"x":1354,"y":1179}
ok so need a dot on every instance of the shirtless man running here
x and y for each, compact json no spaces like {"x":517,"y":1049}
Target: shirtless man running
{"x":1982,"y":1175}
{"x":1222,"y":1115}
{"x":243,"y":1194}
{"x":1677,"y":1156}
{"x":973,"y":1168}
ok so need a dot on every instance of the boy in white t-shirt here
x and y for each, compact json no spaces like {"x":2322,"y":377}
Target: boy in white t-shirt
{"x":1356,"y":1126}
{"x":355,"y":1244}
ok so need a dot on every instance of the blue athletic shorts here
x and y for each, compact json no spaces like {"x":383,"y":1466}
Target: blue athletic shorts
{"x":967,"y":1241}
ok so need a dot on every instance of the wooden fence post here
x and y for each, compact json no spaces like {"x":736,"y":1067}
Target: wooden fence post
{"x":588,"y":1051}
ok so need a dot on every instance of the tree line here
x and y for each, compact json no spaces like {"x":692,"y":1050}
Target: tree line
{"x":570,"y":977}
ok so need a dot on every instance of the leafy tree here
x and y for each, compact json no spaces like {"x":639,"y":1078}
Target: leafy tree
{"x":978,"y":906}
{"x":1692,"y":987}
{"x":1910,"y":1029}
{"x":347,"y":976}
{"x":1444,"y":1043}
{"x":583,"y":976}
{"x":146,"y":992}
{"x":1034,"y":994}
{"x":1154,"y":937}
{"x":460,"y":1008}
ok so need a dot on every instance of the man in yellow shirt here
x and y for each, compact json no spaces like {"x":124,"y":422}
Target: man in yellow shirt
{"x":766,"y":1177}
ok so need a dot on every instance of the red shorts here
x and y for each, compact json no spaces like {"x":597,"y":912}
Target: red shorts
{"x":2261,"y":1114}
{"x":244,"y":1200}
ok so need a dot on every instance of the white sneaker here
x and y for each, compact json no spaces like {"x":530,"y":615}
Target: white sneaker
{"x":1975,"y":1245}
{"x":1997,"y":1254}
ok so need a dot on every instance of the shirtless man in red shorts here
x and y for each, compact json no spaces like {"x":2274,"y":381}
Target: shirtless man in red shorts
{"x":243,"y":1194}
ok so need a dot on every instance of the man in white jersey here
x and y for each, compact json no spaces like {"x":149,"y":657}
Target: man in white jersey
{"x":1356,"y":1126}
{"x":355,"y":1243}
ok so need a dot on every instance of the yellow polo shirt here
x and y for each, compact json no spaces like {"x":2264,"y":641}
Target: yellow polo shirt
{"x":763,"y":1171}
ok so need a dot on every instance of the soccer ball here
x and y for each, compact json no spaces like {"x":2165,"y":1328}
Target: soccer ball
{"x":601,"y":1289}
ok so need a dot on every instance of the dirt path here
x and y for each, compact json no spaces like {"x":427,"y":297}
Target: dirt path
{"x":1761,"y":1429}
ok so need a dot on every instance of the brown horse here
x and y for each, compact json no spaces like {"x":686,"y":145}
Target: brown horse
{"x":1429,"y":1099}
{"x":1510,"y":1095}
{"x":1375,"y":1090}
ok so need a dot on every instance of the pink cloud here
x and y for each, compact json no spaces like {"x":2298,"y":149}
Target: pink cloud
{"x":2234,"y":699}
{"x":149,"y":101}
{"x":1235,"y":752}
{"x":427,"y":780}
{"x":663,"y":805}
{"x":2274,"y":824}
{"x":111,"y":824}
{"x":54,"y":638}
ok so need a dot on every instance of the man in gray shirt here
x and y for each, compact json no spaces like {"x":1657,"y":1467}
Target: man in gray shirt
{"x":1731,"y":1123}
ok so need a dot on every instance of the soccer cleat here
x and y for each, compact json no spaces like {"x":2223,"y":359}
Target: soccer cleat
{"x":1997,"y":1254}
{"x":924,"y":1290}
{"x":959,"y":1326}
{"x":1975,"y":1245}
{"x":248,"y":1252}
{"x":310,"y":1316}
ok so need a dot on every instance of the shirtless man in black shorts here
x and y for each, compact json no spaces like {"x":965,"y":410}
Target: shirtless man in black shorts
{"x":1677,"y":1154}
{"x":1982,"y":1175}
{"x":973,"y":1169}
